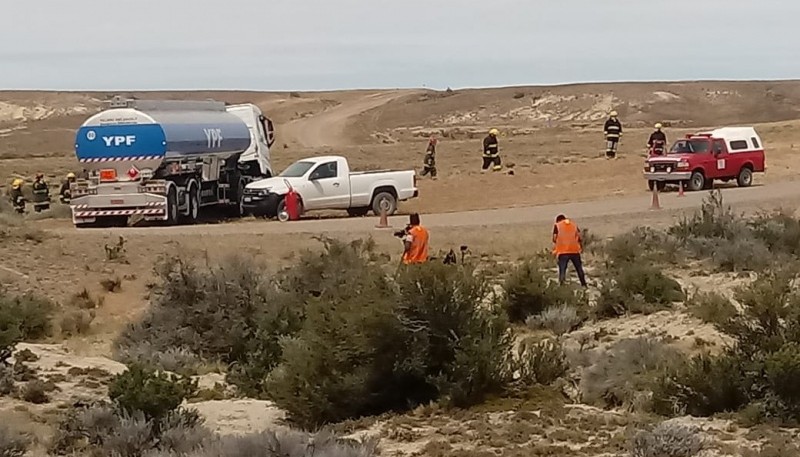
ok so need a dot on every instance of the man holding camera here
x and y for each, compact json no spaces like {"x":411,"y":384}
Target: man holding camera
{"x":415,"y":241}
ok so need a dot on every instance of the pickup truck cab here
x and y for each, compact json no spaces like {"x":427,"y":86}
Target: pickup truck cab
{"x":698,"y":159}
{"x":326,"y":183}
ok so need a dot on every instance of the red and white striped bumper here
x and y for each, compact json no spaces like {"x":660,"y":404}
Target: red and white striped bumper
{"x":119,"y":212}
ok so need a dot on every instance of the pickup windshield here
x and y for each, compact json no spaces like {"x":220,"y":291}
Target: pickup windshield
{"x":690,"y":147}
{"x":296,"y":170}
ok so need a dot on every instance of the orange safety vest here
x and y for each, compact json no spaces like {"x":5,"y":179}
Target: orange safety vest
{"x":567,"y":238}
{"x":419,"y":246}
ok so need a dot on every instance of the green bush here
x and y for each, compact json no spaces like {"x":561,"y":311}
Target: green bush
{"x":650,"y":284}
{"x":371,"y":347}
{"x":782,"y":372}
{"x":714,"y":220}
{"x":668,"y":439}
{"x":711,"y":307}
{"x":540,"y":362}
{"x":12,"y":444}
{"x":701,"y":386}
{"x":35,"y":392}
{"x":529,"y":291}
{"x":625,"y":372}
{"x":152,"y":393}
{"x":642,"y":244}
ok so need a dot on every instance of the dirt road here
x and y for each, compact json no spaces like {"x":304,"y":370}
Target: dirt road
{"x":328,"y":127}
{"x":786,"y":194}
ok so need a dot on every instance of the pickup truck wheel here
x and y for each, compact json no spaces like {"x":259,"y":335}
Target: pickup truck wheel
{"x":358,"y":212}
{"x":697,"y":182}
{"x":384,"y":201}
{"x":745,"y":178}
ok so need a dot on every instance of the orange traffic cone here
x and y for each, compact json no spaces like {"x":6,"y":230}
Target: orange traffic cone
{"x":384,"y":221}
{"x":680,"y":189}
{"x":655,"y":204}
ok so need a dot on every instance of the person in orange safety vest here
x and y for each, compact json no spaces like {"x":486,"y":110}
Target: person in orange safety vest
{"x":567,"y":248}
{"x":415,"y":242}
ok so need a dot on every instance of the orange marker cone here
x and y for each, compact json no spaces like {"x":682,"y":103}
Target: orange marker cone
{"x":680,"y":189}
{"x":384,"y":221}
{"x":655,"y":204}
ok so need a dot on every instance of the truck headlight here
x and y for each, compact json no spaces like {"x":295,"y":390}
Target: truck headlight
{"x":683,"y":164}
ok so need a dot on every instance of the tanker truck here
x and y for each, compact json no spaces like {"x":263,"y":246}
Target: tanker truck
{"x":165,"y":160}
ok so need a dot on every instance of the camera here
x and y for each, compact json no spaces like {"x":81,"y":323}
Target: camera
{"x":402,"y":233}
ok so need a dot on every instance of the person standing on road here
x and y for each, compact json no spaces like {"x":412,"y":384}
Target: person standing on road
{"x":491,"y":151}
{"x":567,"y":248}
{"x":657,"y":141}
{"x":415,"y":242}
{"x":430,"y":159}
{"x":613,"y":133}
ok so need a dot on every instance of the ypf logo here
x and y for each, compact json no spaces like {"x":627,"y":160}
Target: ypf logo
{"x":91,"y":135}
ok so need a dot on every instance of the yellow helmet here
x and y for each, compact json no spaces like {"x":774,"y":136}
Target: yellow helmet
{"x":613,"y":114}
{"x":658,"y":126}
{"x":70,"y":175}
{"x":17,"y":183}
{"x":494,"y":132}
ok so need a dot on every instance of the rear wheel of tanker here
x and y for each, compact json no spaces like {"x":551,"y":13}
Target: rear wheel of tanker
{"x":193,"y":197}
{"x":172,"y":206}
{"x":697,"y":182}
{"x":240,"y":211}
{"x":384,"y":201}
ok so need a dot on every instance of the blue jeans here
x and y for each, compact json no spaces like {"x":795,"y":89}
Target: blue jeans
{"x":563,"y":262}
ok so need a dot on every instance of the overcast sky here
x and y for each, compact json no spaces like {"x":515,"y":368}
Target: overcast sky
{"x":334,"y":44}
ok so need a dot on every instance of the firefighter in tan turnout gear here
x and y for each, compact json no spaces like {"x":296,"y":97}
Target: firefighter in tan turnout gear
{"x":491,"y":151}
{"x":613,"y":132}
{"x":41,"y":194}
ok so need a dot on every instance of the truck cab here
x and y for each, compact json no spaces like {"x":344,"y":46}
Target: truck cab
{"x":700,"y":158}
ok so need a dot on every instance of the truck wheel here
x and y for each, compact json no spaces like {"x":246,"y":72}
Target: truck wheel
{"x":745,"y":178}
{"x":194,"y":205}
{"x":240,"y":211}
{"x":172,"y":206}
{"x":384,"y":201}
{"x":697,"y":182}
{"x":358,"y":212}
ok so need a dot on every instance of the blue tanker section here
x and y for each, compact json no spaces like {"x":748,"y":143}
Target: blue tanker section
{"x":155,"y":141}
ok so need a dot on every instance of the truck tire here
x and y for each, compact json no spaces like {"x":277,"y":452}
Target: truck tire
{"x":172,"y":206}
{"x":384,"y":200}
{"x":745,"y":178}
{"x":697,"y":182}
{"x":194,"y":205}
{"x":358,"y":212}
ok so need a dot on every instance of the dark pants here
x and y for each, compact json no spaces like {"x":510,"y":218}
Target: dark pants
{"x":563,"y":261}
{"x":611,"y":147}
{"x":429,"y":169}
{"x":491,"y":161}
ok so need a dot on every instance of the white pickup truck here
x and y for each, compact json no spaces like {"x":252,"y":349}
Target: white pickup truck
{"x":326,"y":183}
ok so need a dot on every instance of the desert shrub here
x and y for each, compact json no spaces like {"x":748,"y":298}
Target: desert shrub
{"x":100,"y":430}
{"x":701,"y":386}
{"x":540,"y":362}
{"x":714,"y":220}
{"x":23,"y":318}
{"x":742,"y":253}
{"x":650,"y":284}
{"x":711,"y":307}
{"x":111,"y":284}
{"x":6,"y":380}
{"x":780,"y":232}
{"x":84,"y":300}
{"x":25,"y":356}
{"x":782,"y":371}
{"x":372,"y":347}
{"x":153,"y":393}
{"x":35,"y":392}
{"x":623,"y":375}
{"x":559,"y":319}
{"x":176,"y":360}
{"x":339,"y":271}
{"x":529,"y":291}
{"x":668,"y":439}
{"x":76,"y":322}
{"x":12,"y":444}
{"x":642,"y":244}
{"x":288,"y":443}
{"x":775,"y":446}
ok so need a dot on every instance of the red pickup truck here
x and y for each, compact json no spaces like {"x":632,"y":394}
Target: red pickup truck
{"x":724,"y":154}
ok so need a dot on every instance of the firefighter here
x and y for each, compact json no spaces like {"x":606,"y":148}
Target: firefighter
{"x":491,"y":151}
{"x":613,"y":133}
{"x":657,"y":141}
{"x":64,"y":193}
{"x":41,"y":194}
{"x":16,"y":196}
{"x":430,"y":159}
{"x":567,"y":248}
{"x":415,"y":242}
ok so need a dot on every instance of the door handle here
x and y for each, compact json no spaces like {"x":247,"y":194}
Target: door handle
{"x":336,"y":184}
